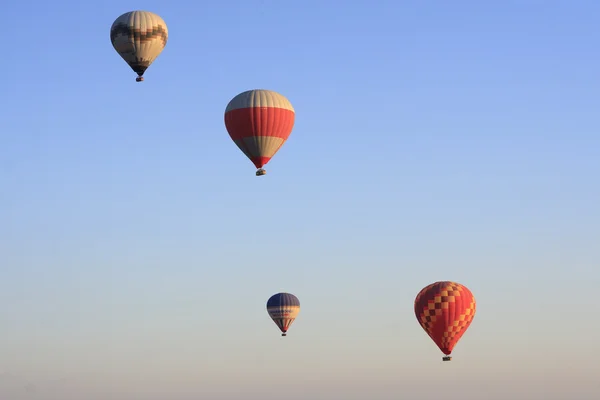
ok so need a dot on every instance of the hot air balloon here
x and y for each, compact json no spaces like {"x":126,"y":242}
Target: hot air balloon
{"x":445,"y":311}
{"x":283,"y":308}
{"x":139,"y":37}
{"x":259,"y":122}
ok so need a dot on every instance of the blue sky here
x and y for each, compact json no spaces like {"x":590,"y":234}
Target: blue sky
{"x":433,"y":141}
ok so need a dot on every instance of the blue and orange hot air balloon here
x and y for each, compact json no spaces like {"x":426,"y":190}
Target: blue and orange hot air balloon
{"x":445,"y":310}
{"x":259,"y":122}
{"x":283,"y":308}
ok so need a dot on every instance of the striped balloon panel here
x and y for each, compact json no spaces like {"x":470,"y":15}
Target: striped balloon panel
{"x":283,"y":308}
{"x":445,"y":311}
{"x":259,"y":122}
{"x":139,"y":37}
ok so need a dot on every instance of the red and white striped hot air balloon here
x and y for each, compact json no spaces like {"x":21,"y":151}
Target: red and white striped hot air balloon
{"x":259,"y":122}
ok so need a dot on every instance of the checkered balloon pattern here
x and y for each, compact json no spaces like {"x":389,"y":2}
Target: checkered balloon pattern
{"x":445,"y":310}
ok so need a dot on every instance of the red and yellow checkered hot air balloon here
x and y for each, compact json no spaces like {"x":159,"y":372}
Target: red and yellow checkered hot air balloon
{"x":259,"y":122}
{"x":445,"y":311}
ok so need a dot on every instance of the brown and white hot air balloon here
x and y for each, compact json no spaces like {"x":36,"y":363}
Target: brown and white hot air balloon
{"x":139,"y":37}
{"x":259,"y":122}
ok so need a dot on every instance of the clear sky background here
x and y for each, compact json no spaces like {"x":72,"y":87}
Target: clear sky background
{"x":433,"y":141}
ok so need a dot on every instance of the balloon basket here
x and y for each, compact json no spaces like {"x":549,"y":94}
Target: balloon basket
{"x":261,"y":172}
{"x":447,"y":358}
{"x":284,"y":334}
{"x":139,"y":79}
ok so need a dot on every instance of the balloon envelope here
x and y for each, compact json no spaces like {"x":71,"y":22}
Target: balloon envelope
{"x":283,"y":308}
{"x":139,"y":37}
{"x":445,"y":311}
{"x":259,"y":122}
